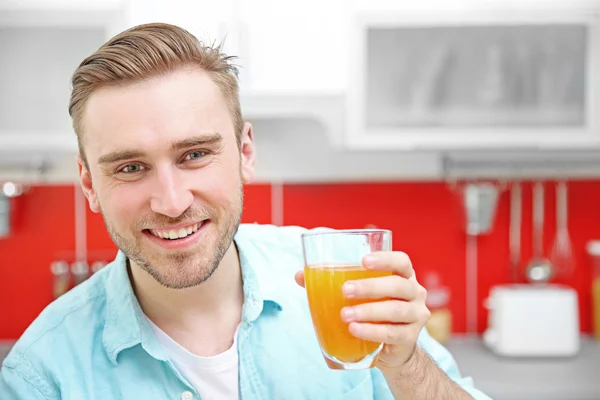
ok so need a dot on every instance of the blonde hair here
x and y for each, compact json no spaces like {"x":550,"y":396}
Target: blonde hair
{"x":146,"y":51}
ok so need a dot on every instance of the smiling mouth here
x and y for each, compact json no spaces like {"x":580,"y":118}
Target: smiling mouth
{"x":175,"y":234}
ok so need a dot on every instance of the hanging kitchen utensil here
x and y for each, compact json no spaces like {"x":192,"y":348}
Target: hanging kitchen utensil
{"x":480,"y":201}
{"x":515,"y":230}
{"x":539,"y":269}
{"x":562,"y":250}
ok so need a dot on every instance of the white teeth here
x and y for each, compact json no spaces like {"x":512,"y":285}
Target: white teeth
{"x":177,"y":234}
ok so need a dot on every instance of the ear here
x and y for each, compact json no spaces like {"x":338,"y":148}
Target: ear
{"x":85,"y":180}
{"x":248,"y":153}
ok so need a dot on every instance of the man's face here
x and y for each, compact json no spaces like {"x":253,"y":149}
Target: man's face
{"x":167,"y":174}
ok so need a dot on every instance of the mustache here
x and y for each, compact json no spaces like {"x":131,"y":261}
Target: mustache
{"x":191,"y":215}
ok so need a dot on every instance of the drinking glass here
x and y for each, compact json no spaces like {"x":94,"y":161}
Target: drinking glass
{"x":332,"y":257}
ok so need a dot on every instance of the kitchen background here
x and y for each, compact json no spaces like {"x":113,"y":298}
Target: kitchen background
{"x":436,"y":120}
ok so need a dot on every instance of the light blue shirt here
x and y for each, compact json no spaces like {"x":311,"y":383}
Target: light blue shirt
{"x":95,"y":342}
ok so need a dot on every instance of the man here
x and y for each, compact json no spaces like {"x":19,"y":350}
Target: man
{"x":195,"y":305}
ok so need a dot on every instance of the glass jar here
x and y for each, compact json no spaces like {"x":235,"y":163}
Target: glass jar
{"x":439,"y":325}
{"x":593,"y":249}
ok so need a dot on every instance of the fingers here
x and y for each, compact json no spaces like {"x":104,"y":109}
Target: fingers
{"x":299,"y":278}
{"x":395,"y":261}
{"x":393,"y":311}
{"x":392,"y":286}
{"x":382,"y":333}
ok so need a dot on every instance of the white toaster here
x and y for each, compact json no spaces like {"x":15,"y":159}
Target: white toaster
{"x":533,"y":320}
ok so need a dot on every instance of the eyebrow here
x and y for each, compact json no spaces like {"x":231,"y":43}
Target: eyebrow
{"x":203,"y":140}
{"x":123,"y":155}
{"x":117,"y":156}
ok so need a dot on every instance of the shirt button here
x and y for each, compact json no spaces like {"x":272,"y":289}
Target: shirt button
{"x":187,"y":395}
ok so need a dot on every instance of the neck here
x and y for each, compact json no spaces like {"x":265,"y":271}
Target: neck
{"x":217,"y":301}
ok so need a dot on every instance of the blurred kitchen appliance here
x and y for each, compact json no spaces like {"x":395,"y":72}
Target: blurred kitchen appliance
{"x":533,"y":321}
{"x":61,"y":278}
{"x":439,"y":324}
{"x":80,"y":271}
{"x":97,"y":266}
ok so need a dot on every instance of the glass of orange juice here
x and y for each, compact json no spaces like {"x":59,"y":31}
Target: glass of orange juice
{"x":331,"y":258}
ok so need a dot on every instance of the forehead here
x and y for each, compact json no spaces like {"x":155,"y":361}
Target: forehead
{"x":154,"y":112}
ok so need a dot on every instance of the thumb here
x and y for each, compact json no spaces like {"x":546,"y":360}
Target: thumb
{"x":300,"y":278}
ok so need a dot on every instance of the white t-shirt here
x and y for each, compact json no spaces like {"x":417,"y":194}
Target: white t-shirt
{"x":215,"y":378}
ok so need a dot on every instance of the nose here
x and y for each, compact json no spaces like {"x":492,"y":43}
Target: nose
{"x":171,"y":196}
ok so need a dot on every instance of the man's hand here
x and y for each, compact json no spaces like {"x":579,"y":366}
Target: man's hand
{"x":397,"y":318}
{"x":394,"y":313}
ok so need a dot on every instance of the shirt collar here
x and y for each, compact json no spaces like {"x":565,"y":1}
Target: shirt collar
{"x":268,"y":280}
{"x":259,"y":292}
{"x":126,"y":326}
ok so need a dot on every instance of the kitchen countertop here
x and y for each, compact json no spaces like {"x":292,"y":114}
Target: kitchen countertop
{"x":510,"y":378}
{"x":504,"y":378}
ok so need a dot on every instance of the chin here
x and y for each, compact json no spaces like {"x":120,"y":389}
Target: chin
{"x":181,"y":274}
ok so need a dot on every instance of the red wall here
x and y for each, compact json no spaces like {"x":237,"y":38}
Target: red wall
{"x":426,"y":220}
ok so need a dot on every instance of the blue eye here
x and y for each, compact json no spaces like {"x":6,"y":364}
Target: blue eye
{"x":195,"y":155}
{"x":131,"y":168}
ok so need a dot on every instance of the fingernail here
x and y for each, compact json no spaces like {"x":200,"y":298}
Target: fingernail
{"x":349,"y":289}
{"x":348,"y":314}
{"x":369,"y":261}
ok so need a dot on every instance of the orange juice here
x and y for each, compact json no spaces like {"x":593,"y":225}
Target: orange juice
{"x":325,"y":298}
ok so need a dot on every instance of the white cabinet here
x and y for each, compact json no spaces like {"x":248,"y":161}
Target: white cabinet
{"x":291,"y":55}
{"x":205,"y":19}
{"x":287,"y":50}
{"x":283,"y":46}
{"x":488,"y":76}
{"x":42,"y":42}
{"x":294,"y":46}
{"x":212,"y":22}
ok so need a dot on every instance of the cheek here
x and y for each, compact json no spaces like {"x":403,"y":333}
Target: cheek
{"x":219,"y":186}
{"x":122,"y":204}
